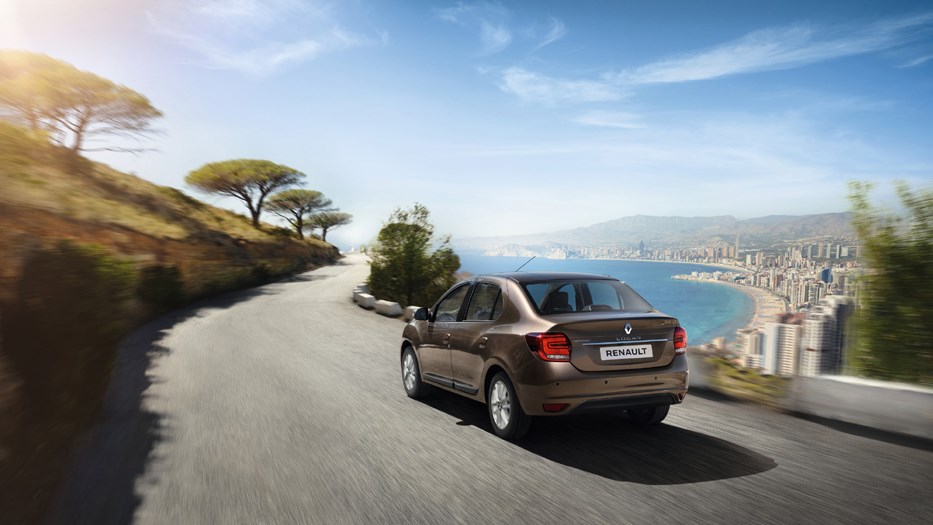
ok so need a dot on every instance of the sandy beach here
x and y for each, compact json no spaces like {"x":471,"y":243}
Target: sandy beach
{"x":768,"y":305}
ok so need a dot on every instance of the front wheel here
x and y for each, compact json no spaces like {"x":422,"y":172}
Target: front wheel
{"x":411,"y":375}
{"x":648,"y":415}
{"x":508,"y":419}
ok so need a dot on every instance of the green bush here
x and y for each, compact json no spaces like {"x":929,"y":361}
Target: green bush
{"x":160,"y":288}
{"x":73,"y":305}
{"x":894,"y":316}
{"x":20,"y":146}
{"x":403,"y":268}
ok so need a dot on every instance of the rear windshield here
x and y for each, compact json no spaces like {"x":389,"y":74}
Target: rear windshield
{"x":560,"y":297}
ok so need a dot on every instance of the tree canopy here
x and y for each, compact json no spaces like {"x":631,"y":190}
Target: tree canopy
{"x":74,"y":107}
{"x":296,"y":205}
{"x":403,"y":268}
{"x":329,"y":219}
{"x":247,"y":180}
{"x":895,"y":311}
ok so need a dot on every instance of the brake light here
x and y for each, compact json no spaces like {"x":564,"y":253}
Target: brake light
{"x":549,"y":346}
{"x":680,"y":340}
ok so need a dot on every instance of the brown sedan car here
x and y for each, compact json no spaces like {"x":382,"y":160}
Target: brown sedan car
{"x":544,"y":344}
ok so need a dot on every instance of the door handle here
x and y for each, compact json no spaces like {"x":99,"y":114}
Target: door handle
{"x":447,"y":339}
{"x":483,"y":341}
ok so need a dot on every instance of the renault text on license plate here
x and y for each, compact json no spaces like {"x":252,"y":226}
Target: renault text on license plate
{"x":613,"y":353}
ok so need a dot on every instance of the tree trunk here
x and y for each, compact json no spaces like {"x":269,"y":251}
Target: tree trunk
{"x":324,"y":234}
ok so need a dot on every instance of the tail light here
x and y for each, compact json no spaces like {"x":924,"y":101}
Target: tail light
{"x":680,"y":340}
{"x":549,"y":346}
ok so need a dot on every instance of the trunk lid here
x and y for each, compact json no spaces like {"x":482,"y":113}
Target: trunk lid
{"x":609,"y":341}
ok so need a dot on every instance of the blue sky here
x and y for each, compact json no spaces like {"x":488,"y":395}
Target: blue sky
{"x":520,"y":117}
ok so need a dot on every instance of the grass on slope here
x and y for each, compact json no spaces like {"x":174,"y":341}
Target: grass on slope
{"x":103,"y":195}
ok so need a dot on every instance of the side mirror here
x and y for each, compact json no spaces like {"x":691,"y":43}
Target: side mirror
{"x":422,"y":314}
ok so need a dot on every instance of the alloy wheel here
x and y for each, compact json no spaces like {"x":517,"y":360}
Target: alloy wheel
{"x":408,"y":372}
{"x":501,"y":405}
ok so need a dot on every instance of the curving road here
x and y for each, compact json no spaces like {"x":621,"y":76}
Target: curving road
{"x":284,"y":404}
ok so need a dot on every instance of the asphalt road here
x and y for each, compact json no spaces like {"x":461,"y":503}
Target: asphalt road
{"x":284,"y":404}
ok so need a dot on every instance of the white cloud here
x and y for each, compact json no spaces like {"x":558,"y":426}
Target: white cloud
{"x":540,"y":88}
{"x":780,"y":48}
{"x":556,"y":30}
{"x":762,"y":50}
{"x":610,"y":119}
{"x":916,"y":62}
{"x":232,"y":8}
{"x":468,"y":13}
{"x":495,"y":38}
{"x":254,"y":36}
{"x":489,"y":19}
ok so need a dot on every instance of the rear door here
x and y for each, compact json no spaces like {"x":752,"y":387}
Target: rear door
{"x":469,"y":339}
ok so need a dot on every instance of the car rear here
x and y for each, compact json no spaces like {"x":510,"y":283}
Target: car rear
{"x":624,"y":354}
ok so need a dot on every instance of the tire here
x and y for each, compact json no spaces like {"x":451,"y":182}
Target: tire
{"x":411,"y":375}
{"x":648,"y":415}
{"x":508,"y":419}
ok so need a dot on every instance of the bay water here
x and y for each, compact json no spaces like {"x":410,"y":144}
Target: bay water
{"x":706,"y":310}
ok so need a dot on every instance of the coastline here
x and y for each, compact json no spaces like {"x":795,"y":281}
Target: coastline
{"x":768,"y":305}
{"x":712,"y":265}
{"x":723,"y":266}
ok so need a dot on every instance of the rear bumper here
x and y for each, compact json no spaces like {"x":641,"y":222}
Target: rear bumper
{"x":559,"y":383}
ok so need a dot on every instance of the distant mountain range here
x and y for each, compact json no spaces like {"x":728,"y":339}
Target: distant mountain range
{"x":672,"y":232}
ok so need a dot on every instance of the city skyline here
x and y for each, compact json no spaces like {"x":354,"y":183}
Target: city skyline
{"x":519,"y":117}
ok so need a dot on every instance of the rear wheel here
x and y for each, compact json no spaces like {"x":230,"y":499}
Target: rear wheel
{"x":508,"y":419}
{"x":411,"y":375}
{"x":648,"y":415}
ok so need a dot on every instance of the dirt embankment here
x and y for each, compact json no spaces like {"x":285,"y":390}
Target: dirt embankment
{"x":85,"y":257}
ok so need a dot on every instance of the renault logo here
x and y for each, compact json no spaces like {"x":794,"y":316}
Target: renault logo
{"x":628,"y":328}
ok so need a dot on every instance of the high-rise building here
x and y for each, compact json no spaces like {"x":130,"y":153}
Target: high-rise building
{"x":818,"y":354}
{"x":748,"y":342}
{"x":781,"y":345}
{"x":817,"y":291}
{"x":824,"y":336}
{"x":826,"y":275}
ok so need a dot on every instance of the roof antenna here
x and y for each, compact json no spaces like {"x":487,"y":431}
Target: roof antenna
{"x":526,"y":262}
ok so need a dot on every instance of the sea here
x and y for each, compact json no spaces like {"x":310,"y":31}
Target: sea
{"x":705,"y":310}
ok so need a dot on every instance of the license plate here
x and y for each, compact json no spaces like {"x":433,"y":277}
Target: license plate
{"x":615,"y":353}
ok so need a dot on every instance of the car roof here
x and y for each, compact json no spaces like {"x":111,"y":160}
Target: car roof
{"x":534,"y":277}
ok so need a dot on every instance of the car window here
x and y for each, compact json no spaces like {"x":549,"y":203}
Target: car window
{"x":483,"y":305}
{"x":449,"y":307}
{"x":554,"y":297}
{"x":603,"y":296}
